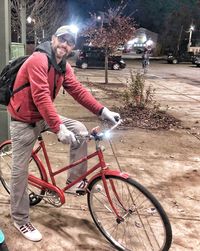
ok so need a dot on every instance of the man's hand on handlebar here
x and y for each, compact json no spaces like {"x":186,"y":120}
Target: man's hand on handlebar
{"x":114,"y":117}
{"x":65,"y":136}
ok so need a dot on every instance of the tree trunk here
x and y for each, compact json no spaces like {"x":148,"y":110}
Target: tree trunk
{"x":106,"y":67}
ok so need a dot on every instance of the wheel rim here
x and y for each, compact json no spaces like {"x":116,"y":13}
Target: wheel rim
{"x":116,"y":67}
{"x":84,"y":66}
{"x":5,"y":172}
{"x":142,"y":227}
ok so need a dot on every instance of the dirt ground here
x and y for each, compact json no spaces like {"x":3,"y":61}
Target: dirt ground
{"x":164,"y":161}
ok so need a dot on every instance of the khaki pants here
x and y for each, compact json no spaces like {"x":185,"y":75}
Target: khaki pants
{"x":23,"y":138}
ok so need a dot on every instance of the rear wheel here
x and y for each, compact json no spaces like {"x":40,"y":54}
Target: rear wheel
{"x":175,"y":61}
{"x":35,"y":194}
{"x":142,"y":223}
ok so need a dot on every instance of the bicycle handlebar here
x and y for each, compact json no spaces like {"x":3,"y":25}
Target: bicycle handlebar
{"x":97,"y":136}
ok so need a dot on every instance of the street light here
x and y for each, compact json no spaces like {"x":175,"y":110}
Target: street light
{"x":74,"y":29}
{"x":31,"y":20}
{"x":190,"y":36}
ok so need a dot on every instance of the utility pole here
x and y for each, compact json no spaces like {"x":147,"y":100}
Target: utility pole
{"x":190,"y":37}
{"x":179,"y":39}
{"x":23,"y":22}
{"x":5,"y":35}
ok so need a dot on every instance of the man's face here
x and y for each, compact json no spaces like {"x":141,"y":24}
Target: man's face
{"x":62,"y":45}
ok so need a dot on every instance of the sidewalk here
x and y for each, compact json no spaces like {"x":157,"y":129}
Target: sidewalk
{"x":166,"y":162}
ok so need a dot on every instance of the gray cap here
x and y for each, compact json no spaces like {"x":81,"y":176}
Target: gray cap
{"x":63,"y":30}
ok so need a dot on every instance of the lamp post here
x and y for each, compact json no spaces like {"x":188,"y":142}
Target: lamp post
{"x":31,"y":20}
{"x":190,"y":36}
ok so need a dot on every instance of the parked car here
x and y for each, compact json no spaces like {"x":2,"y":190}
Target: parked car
{"x":197,"y":60}
{"x":91,"y":56}
{"x":183,"y":57}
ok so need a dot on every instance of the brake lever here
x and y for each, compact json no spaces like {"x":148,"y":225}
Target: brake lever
{"x":116,"y":125}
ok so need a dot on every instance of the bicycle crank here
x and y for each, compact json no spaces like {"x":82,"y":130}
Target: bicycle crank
{"x":51,"y":197}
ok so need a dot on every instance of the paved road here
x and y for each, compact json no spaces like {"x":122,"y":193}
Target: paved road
{"x":187,"y":73}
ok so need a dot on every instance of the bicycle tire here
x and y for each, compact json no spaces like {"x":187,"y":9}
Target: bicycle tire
{"x":35,"y":194}
{"x":144,"y":226}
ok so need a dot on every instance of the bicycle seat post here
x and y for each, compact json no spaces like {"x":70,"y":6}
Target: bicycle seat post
{"x":40,"y":137}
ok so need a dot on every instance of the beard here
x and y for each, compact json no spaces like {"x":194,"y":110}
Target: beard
{"x":60,"y":52}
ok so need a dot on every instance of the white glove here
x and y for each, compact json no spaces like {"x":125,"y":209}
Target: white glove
{"x":111,"y":116}
{"x":65,"y":136}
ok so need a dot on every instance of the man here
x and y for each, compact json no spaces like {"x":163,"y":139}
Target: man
{"x":32,"y":111}
{"x":145,"y":57}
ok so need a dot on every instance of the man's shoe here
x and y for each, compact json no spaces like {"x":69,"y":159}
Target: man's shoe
{"x":29,"y":231}
{"x":80,"y":188}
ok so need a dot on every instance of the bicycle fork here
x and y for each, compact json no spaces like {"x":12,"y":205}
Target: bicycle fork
{"x":119,"y":218}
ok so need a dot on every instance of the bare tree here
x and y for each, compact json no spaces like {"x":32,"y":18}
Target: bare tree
{"x":15,"y":17}
{"x":113,"y":30}
{"x":45,"y":15}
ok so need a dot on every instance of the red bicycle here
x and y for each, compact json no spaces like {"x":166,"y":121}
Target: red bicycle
{"x":125,"y":212}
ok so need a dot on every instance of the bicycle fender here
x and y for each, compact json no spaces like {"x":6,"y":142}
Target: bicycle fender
{"x":116,"y":173}
{"x":5,"y":142}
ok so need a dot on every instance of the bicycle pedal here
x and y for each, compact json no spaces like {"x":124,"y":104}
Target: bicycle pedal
{"x":81,"y":192}
{"x":76,"y":193}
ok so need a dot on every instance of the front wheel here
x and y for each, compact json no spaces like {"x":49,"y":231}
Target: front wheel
{"x":84,"y":65}
{"x":35,"y":194}
{"x":141,"y":224}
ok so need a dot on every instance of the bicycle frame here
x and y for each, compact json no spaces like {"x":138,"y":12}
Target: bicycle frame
{"x":45,"y":184}
{"x":113,"y":196}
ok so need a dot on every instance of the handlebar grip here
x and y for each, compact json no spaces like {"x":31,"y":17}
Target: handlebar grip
{"x":117,"y":118}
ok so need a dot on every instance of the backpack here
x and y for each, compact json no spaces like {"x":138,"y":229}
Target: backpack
{"x":7,"y":79}
{"x":8,"y":76}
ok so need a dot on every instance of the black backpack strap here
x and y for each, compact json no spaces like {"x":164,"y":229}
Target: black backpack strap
{"x":28,"y":84}
{"x":62,"y":71}
{"x":20,"y":88}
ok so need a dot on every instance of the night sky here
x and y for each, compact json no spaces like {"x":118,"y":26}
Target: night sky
{"x":148,"y":14}
{"x":165,"y":17}
{"x":79,"y":10}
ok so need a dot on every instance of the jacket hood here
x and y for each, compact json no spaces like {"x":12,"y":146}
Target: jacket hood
{"x":47,"y":48}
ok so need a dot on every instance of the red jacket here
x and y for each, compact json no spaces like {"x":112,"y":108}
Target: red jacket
{"x":35,"y":102}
